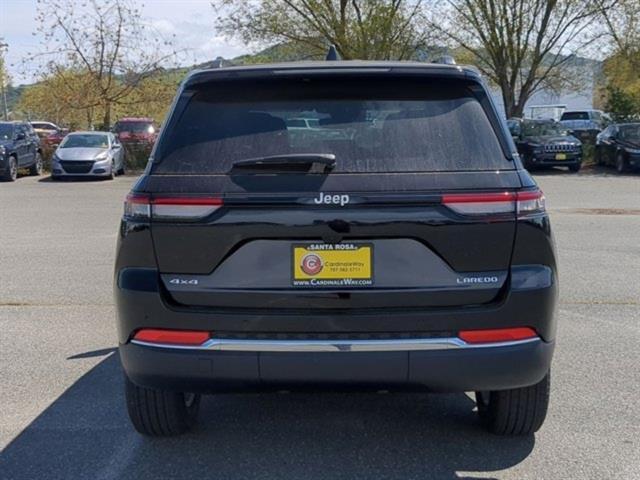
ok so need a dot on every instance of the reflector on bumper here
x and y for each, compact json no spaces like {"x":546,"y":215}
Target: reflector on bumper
{"x":171,"y":337}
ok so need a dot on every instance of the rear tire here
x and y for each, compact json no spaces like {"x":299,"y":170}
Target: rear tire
{"x":520,"y":411}
{"x":621,"y":164}
{"x":35,"y":170}
{"x":11,"y":173}
{"x":160,"y":413}
{"x":112,"y":173}
{"x":574,"y":168}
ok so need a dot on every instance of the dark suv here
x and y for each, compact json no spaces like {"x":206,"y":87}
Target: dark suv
{"x":545,"y":143}
{"x":19,"y":148}
{"x":410,"y":252}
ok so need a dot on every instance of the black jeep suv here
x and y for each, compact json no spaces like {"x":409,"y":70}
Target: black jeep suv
{"x":19,"y":148}
{"x":545,"y":143}
{"x":400,"y":246}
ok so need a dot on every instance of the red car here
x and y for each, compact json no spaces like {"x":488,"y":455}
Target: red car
{"x":50,"y":134}
{"x":136,"y":130}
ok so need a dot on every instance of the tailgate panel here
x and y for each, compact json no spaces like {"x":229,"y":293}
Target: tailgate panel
{"x":259,"y":275}
{"x":424,"y":253}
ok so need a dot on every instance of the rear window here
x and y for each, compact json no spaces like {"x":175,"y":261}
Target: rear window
{"x":370,"y":126}
{"x":575,"y":116}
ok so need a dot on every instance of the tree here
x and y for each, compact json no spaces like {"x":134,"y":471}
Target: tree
{"x":522,"y":46}
{"x":362,"y":29}
{"x":100,"y":51}
{"x":622,"y":24}
{"x":58,"y":98}
{"x":152,"y":98}
{"x":5,"y":80}
{"x":622,"y":106}
{"x":621,"y":68}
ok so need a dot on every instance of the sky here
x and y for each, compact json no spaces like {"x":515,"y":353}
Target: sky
{"x":192,"y":22}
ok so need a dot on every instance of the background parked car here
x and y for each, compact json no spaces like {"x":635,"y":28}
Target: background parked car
{"x":619,"y":145}
{"x":50,"y":136}
{"x":88,"y":154}
{"x":43,"y":128}
{"x":585,"y":124}
{"x":545,"y":143}
{"x":131,"y":130}
{"x":303,"y":130}
{"x":19,"y":148}
{"x":50,"y":133}
{"x":54,"y":139}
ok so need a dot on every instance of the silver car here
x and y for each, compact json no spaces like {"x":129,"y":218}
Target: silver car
{"x":84,"y":154}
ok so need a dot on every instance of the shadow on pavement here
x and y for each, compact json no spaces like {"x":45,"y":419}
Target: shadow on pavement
{"x":585,"y":171}
{"x":81,"y":179}
{"x":85,"y":433}
{"x":94,"y":353}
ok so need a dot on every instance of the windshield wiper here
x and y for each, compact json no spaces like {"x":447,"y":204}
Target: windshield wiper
{"x":294,"y":162}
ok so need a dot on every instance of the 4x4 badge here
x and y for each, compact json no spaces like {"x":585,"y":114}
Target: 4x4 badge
{"x":183,"y":281}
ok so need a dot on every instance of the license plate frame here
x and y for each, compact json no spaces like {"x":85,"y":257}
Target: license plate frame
{"x":327,"y":265}
{"x":561,"y":156}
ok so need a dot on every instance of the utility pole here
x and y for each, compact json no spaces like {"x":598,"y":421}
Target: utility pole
{"x":3,"y":47}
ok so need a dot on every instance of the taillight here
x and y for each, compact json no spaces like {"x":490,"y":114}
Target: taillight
{"x":170,"y":208}
{"x":137,"y":206}
{"x":173,"y":337}
{"x":480,"y":203}
{"x":524,"y":203}
{"x":530,"y":203}
{"x":497,"y":335}
{"x":183,"y":208}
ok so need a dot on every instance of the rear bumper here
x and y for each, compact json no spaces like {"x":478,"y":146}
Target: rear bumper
{"x":529,"y":302}
{"x":549,"y":160}
{"x":258,"y":350}
{"x":501,"y":367}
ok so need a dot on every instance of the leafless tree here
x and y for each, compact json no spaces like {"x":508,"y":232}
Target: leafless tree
{"x":622,"y":23}
{"x":102,"y":46}
{"x":522,"y":46}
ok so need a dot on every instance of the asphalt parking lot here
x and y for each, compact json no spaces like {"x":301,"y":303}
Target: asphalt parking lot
{"x":62,"y":408}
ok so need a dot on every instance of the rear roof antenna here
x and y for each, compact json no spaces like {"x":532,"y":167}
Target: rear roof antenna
{"x":332,"y":54}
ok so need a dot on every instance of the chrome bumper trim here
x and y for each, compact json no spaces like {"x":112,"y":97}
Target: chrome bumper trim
{"x":399,"y":345}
